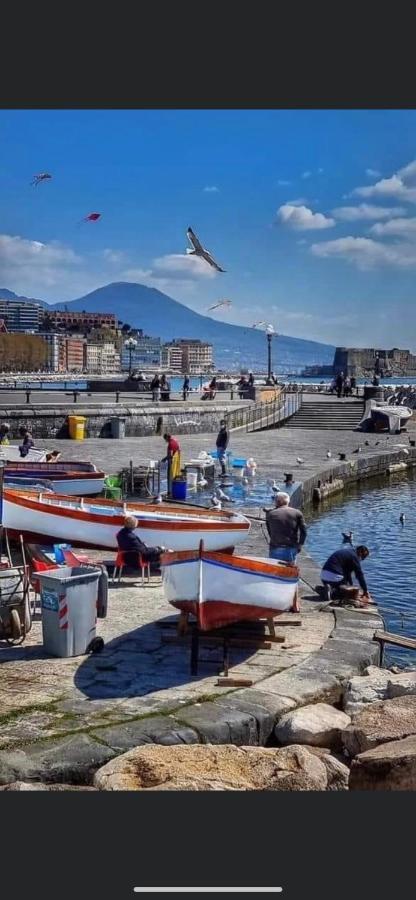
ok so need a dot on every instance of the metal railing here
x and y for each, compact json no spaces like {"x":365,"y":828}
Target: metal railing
{"x":264,"y":413}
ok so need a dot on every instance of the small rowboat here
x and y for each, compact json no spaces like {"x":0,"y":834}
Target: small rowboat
{"x":219,"y":589}
{"x":11,"y":453}
{"x":74,"y":478}
{"x":51,"y":518}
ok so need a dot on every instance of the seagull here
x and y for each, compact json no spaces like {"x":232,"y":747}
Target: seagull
{"x":347,"y":537}
{"x":329,"y":454}
{"x":402,"y":518}
{"x":358,"y":450}
{"x":367,"y":443}
{"x":275,"y":488}
{"x":159,"y":498}
{"x":202,"y":482}
{"x":405,"y":451}
{"x":299,"y":460}
{"x":215,"y":503}
{"x":244,"y":481}
{"x":376,"y":443}
{"x":199,"y":250}
{"x":222,"y":496}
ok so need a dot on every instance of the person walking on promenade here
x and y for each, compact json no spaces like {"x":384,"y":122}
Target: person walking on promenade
{"x":164,"y":389}
{"x":155,"y":388}
{"x":337,"y":572}
{"x":185,"y":387}
{"x":353,"y":384}
{"x":347,"y":386}
{"x":4,"y":434}
{"x":339,"y":384}
{"x":222,"y":444}
{"x":173,"y":458}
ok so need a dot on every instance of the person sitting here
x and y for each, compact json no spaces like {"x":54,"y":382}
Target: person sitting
{"x":337,"y":572}
{"x":27,"y":441}
{"x":4,"y":434}
{"x":132,"y":545}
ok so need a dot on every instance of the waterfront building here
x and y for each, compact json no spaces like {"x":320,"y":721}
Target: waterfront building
{"x":72,"y":354}
{"x":146,"y":353}
{"x":101,"y":358}
{"x":21,"y":316}
{"x":62,"y":320}
{"x":188,"y":356}
{"x":363,"y":361}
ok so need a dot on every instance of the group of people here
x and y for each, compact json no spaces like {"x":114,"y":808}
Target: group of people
{"x":343,"y":385}
{"x":26,"y":439}
{"x":160,"y":388}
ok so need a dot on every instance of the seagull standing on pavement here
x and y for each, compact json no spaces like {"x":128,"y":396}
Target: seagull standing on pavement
{"x":299,"y":461}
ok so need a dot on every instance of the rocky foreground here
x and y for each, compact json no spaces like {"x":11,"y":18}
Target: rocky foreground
{"x":368,"y":744}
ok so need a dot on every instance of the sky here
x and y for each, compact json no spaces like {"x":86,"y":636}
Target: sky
{"x":312,"y":213}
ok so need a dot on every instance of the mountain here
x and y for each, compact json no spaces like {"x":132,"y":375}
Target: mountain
{"x":234,"y":346}
{"x":10,"y":295}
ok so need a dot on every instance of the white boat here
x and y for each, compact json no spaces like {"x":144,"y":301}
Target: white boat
{"x":382,"y":414}
{"x":51,"y":518}
{"x":11,"y":453}
{"x":73,"y":478}
{"x":218,"y":588}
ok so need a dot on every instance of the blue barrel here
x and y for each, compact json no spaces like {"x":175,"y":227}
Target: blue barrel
{"x":179,"y":489}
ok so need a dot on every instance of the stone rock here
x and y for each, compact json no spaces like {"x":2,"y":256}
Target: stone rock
{"x":319,"y":724}
{"x":337,"y":772}
{"x":154,"y":729}
{"x":71,"y":759}
{"x":378,"y":723}
{"x":211,"y":767}
{"x":401,"y":685}
{"x":365,"y":689}
{"x":388,"y":767}
{"x":39,"y":786}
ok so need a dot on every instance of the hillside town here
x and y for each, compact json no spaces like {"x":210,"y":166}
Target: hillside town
{"x":34,"y":338}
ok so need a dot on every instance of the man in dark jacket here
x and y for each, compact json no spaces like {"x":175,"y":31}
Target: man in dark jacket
{"x":287,"y":529}
{"x":132,"y":545}
{"x":337,"y":572}
{"x":222,"y":444}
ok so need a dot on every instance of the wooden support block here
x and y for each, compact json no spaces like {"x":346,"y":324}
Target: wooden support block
{"x":387,"y":637}
{"x":293,"y":619}
{"x":229,"y":681}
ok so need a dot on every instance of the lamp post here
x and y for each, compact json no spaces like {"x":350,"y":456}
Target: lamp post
{"x":270,"y":333}
{"x":130,"y":344}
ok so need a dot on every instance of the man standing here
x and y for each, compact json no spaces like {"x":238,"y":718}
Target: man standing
{"x":339,"y":384}
{"x":173,"y":458}
{"x":185,"y":387}
{"x":286,"y":528}
{"x":222,"y":444}
{"x":337,"y":572}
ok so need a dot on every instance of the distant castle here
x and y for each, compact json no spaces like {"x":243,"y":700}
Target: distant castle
{"x":364,"y":362}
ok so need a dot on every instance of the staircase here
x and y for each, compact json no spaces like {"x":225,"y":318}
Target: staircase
{"x":328,"y":413}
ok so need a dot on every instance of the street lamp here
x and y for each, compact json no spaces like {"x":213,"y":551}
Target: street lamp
{"x":270,"y":334}
{"x":130,"y":345}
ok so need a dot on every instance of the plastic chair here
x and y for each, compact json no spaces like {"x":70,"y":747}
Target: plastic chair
{"x":143,"y":565}
{"x":113,"y":487}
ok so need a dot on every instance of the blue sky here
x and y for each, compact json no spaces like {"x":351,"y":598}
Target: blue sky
{"x":311,"y":212}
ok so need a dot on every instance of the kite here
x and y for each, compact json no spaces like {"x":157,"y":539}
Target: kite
{"x":220,"y":304}
{"x":199,"y":250}
{"x":37,"y":179}
{"x":92,"y":217}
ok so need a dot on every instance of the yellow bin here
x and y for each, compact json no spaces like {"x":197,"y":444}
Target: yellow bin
{"x":76,"y":425}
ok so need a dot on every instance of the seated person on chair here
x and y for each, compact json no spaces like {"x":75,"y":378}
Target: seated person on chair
{"x":131,"y":545}
{"x":337,"y":572}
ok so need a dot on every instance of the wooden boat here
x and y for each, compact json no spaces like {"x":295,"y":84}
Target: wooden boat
{"x":219,"y":589}
{"x":11,"y":453}
{"x":74,"y":478}
{"x":50,"y":518}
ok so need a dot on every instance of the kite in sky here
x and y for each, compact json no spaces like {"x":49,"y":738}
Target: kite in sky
{"x":220,"y":304}
{"x":37,"y":179}
{"x":92,"y":217}
{"x":199,"y":250}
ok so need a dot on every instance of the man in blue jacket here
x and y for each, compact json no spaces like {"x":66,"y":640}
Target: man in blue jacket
{"x":337,"y":572}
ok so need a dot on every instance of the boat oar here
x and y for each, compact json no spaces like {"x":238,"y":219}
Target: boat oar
{"x":200,"y":506}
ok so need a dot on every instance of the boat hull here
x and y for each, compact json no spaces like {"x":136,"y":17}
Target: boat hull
{"x":219,"y":589}
{"x":73,"y":479}
{"x":56,"y":518}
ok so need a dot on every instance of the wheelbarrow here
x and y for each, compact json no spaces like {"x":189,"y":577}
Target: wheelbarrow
{"x":15,"y":612}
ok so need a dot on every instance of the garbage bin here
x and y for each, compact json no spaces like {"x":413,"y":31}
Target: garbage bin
{"x":69,"y":597}
{"x":118,"y":428}
{"x":179,"y":488}
{"x":76,"y":427}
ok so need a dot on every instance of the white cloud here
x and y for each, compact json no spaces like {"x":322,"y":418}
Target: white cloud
{"x":178,"y":265}
{"x":306,"y":174}
{"x":300,"y":218}
{"x":366,"y":211}
{"x":398,"y":227}
{"x":365,"y":253}
{"x":283,"y":183}
{"x":401,"y":185}
{"x":211,"y":189}
{"x":372,"y":173}
{"x":299,"y":201}
{"x":113,"y":256}
{"x":27,"y":264}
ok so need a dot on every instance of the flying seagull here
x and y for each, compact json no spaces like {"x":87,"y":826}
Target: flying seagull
{"x":37,"y":179}
{"x":220,"y":304}
{"x":199,"y":250}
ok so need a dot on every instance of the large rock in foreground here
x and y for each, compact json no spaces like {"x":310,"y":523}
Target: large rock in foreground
{"x":379,"y":723}
{"x":388,"y":767}
{"x":208,"y":767}
{"x":364,"y":689}
{"x":319,"y":725}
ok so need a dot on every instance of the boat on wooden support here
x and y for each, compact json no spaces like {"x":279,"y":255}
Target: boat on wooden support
{"x":73,"y":478}
{"x":51,"y":518}
{"x":219,"y":589}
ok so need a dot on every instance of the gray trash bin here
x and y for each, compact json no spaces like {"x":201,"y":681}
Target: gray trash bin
{"x":69,"y":598}
{"x":118,"y":427}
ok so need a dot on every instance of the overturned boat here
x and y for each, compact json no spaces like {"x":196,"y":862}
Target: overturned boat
{"x":50,"y":518}
{"x":219,"y":589}
{"x":74,"y":478}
